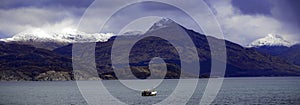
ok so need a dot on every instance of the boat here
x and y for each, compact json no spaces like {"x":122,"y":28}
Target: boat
{"x":149,"y":92}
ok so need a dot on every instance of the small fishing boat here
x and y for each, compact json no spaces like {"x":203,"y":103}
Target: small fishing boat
{"x":149,"y":92}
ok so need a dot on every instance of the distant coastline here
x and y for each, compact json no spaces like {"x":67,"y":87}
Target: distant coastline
{"x":64,"y":76}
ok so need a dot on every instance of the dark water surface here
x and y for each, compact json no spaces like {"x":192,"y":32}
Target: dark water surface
{"x":239,"y":91}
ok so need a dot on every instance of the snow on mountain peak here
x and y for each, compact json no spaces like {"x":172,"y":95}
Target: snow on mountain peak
{"x":164,"y":22}
{"x":270,"y":40}
{"x":68,"y":35}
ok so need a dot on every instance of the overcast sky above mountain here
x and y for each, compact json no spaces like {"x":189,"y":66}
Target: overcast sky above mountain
{"x":242,"y":21}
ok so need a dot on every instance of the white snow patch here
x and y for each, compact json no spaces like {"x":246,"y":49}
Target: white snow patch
{"x":68,"y":35}
{"x":270,"y":40}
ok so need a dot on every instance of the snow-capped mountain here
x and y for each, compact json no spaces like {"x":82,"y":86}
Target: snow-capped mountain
{"x":70,"y":35}
{"x":163,"y":23}
{"x":270,"y":40}
{"x":67,"y":36}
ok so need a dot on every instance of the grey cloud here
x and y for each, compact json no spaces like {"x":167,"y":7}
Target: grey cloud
{"x":285,"y":11}
{"x":13,"y":4}
{"x":15,"y":20}
{"x":240,"y":23}
{"x":253,"y":7}
{"x":153,"y":6}
{"x":135,"y":11}
{"x":244,"y":28}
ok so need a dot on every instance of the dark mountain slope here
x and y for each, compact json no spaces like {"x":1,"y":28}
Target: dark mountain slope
{"x":240,"y":61}
{"x":289,"y":54}
{"x":272,"y":50}
{"x":246,"y":61}
{"x":292,"y":55}
{"x":24,"y":62}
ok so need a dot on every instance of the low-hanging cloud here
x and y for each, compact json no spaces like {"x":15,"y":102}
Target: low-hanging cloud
{"x":53,"y":15}
{"x":240,"y":24}
{"x":244,"y":26}
{"x":16,"y":20}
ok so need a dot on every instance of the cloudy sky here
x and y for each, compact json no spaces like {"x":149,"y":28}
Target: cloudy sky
{"x":242,"y":21}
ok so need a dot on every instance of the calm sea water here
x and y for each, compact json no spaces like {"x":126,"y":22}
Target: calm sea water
{"x":239,"y":91}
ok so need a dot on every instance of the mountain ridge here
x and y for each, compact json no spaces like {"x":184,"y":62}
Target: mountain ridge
{"x":241,"y":61}
{"x":51,"y":40}
{"x":67,"y":35}
{"x":281,"y":48}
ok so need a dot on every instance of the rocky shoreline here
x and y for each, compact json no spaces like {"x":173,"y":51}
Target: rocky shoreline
{"x":46,"y":76}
